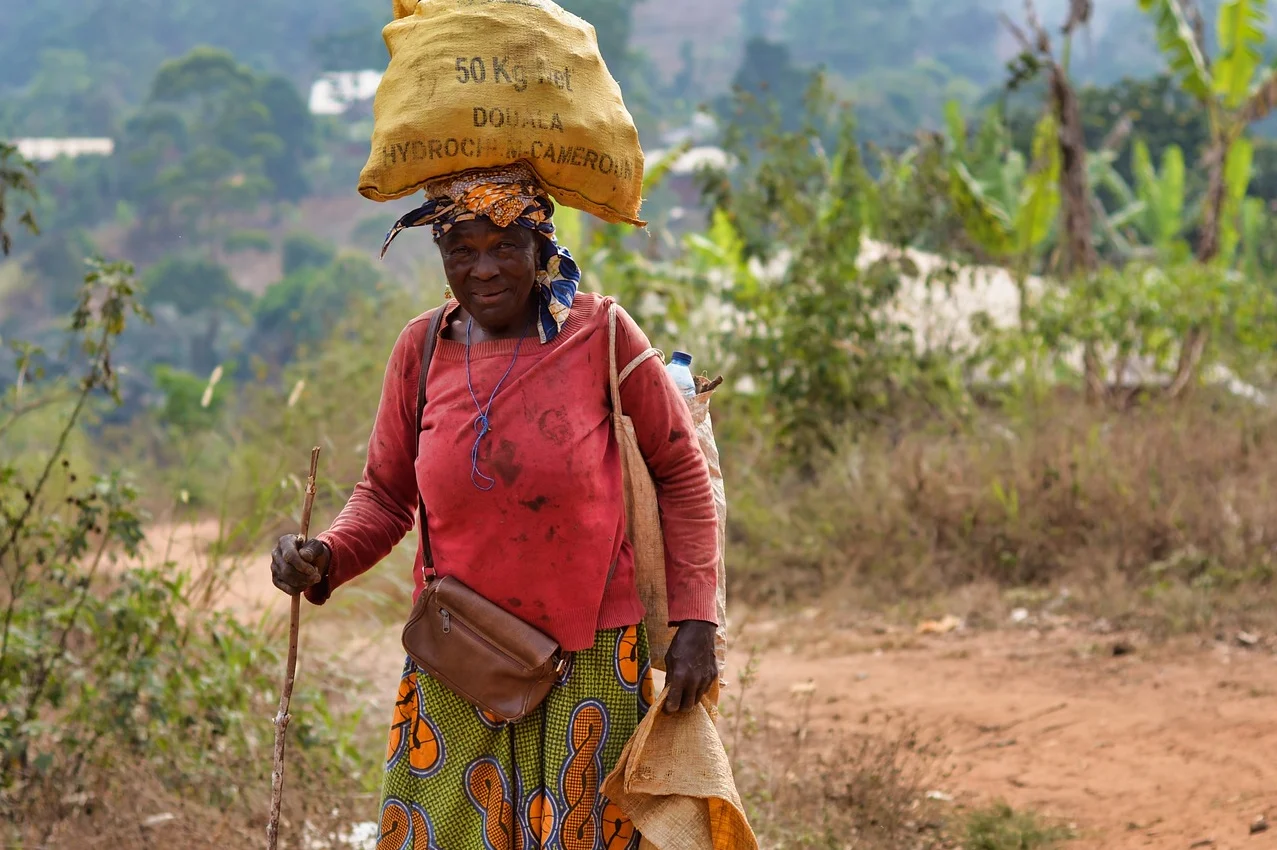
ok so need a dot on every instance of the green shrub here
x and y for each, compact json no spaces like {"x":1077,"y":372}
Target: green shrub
{"x":243,"y":241}
{"x":303,"y":251}
{"x":191,"y":403}
{"x":116,"y":677}
{"x":1000,"y":827}
{"x":309,"y":304}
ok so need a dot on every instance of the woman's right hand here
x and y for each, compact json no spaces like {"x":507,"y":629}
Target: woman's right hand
{"x":294,"y":568}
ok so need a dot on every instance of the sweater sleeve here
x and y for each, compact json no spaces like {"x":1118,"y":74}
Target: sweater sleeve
{"x":667,"y":439}
{"x":383,"y":506}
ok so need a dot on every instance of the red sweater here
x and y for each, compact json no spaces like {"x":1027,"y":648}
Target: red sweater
{"x":541,"y":542}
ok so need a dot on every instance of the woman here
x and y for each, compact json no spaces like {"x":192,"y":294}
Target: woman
{"x":520,"y":474}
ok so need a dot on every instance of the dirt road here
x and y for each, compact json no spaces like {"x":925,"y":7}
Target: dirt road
{"x":1158,"y":746}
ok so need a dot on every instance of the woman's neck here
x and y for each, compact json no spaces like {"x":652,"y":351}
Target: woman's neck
{"x":461,"y":323}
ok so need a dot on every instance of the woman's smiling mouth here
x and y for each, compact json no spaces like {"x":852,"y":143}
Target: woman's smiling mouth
{"x":489,"y":297}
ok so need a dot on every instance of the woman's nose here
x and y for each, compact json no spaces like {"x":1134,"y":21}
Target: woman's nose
{"x":487,"y":267}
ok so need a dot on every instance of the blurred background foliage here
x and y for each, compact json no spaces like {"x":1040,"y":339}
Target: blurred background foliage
{"x":995,"y":298}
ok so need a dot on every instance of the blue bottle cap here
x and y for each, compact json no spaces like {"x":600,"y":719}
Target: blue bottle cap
{"x":682,"y":358}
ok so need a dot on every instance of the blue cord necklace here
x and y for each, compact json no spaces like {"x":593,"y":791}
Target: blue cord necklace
{"x":483,"y":423}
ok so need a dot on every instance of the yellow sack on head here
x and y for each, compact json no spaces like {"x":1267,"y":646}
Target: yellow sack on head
{"x":485,"y":83}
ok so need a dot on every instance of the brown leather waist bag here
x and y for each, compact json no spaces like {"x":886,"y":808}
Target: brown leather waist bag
{"x":478,"y":650}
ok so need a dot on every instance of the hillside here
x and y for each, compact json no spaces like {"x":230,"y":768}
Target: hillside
{"x":714,"y":26}
{"x":1119,"y":41}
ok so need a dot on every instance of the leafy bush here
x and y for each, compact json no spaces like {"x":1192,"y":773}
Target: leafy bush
{"x":1002,"y":828}
{"x":191,"y":403}
{"x":17,"y":178}
{"x":303,"y":251}
{"x":57,"y":265}
{"x":190,"y":284}
{"x":111,"y":669}
{"x":309,"y":303}
{"x":812,"y":330}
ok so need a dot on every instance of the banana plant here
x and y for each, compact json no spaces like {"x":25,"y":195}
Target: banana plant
{"x":1162,"y":194}
{"x":1113,"y":228}
{"x":1154,"y":209}
{"x":1238,"y":168}
{"x":1008,"y":207}
{"x":1236,"y":90}
{"x":1257,"y":238}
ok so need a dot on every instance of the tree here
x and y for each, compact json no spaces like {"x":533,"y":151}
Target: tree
{"x":125,"y":41}
{"x":64,"y":98}
{"x":1155,"y":108}
{"x":291,"y":122}
{"x":196,"y":288}
{"x":1080,"y":259}
{"x":1236,"y":90}
{"x":58,"y":267}
{"x":304,"y":251}
{"x":768,"y":77}
{"x":246,"y":114}
{"x":683,"y":86}
{"x":308,"y":302}
{"x":214,"y":139}
{"x":1161,"y":196}
{"x":188,"y":406}
{"x":358,"y":49}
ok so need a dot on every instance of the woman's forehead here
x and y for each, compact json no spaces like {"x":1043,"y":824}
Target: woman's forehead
{"x":483,"y":228}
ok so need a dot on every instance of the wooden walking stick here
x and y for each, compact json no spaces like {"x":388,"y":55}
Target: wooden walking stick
{"x":282,"y":718}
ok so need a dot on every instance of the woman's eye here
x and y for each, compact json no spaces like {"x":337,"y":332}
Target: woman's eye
{"x":507,"y":246}
{"x":459,"y":251}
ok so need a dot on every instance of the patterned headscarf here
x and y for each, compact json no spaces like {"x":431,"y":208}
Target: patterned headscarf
{"x":506,"y":196}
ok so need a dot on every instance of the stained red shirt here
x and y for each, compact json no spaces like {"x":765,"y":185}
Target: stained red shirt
{"x":541,"y":542}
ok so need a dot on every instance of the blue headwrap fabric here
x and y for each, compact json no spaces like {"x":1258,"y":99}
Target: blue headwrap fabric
{"x":505,"y":196}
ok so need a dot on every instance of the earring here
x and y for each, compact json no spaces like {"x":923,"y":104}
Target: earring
{"x":447,"y":292}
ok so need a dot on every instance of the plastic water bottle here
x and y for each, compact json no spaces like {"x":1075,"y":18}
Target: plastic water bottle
{"x":680,"y":369}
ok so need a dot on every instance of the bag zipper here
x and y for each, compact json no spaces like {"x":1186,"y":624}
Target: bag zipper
{"x":448,"y":621}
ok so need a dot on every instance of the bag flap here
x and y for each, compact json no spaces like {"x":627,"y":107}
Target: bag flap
{"x":492,"y":622}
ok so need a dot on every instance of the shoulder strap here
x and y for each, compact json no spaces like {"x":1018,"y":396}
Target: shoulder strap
{"x":427,"y":354}
{"x":615,"y":377}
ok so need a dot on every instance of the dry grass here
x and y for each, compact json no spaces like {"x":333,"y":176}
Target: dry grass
{"x":128,"y":806}
{"x":857,"y":791}
{"x":1161,"y":516}
{"x":873,"y":789}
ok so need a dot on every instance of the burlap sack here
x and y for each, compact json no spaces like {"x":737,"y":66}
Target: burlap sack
{"x":484,"y":83}
{"x":643,"y":516}
{"x":705,"y":435}
{"x":674,"y":781}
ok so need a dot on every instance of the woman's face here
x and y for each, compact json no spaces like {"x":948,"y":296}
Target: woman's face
{"x":491,"y":271}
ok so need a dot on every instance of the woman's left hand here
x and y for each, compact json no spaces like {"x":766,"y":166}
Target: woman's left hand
{"x":691,"y":665}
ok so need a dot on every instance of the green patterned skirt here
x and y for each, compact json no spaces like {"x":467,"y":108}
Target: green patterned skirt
{"x":456,"y":780}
